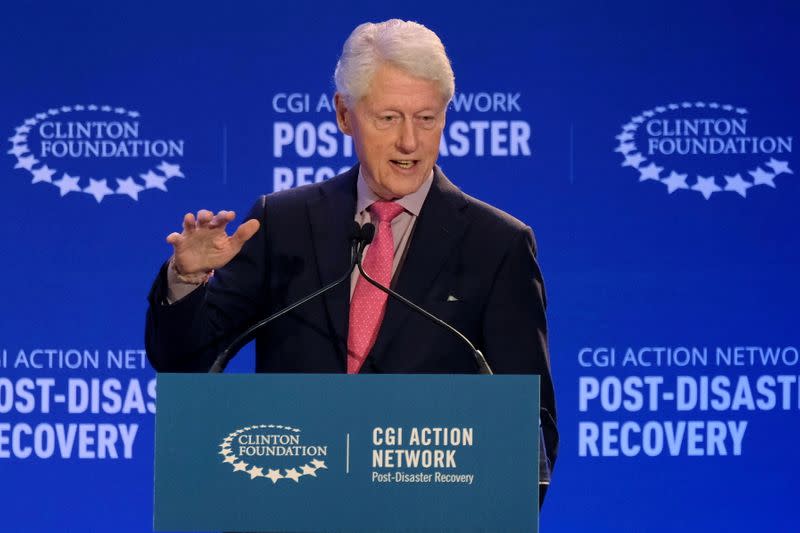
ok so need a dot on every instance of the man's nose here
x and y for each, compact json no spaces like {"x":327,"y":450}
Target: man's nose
{"x":407,"y":139}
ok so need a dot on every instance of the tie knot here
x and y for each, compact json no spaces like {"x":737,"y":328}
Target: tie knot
{"x":385,"y":211}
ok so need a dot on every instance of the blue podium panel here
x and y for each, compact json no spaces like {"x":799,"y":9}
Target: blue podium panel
{"x":347,"y":453}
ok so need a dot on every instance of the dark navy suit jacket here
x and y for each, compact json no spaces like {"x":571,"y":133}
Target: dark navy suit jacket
{"x":467,"y":263}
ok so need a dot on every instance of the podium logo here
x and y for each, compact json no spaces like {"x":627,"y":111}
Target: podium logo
{"x":96,"y":150}
{"x":272,"y":451}
{"x":704,"y":147}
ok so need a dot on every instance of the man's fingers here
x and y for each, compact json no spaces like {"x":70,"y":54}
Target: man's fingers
{"x":222,"y":219}
{"x":188,"y":223}
{"x":204,"y":217}
{"x":245,"y":231}
{"x":173,"y":238}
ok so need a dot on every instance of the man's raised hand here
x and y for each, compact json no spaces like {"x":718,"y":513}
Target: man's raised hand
{"x":204,"y":244}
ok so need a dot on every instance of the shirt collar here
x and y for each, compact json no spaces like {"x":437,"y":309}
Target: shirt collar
{"x":410,"y":202}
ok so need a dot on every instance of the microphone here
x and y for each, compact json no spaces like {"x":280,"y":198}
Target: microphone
{"x":483,"y":366}
{"x":358,"y":241}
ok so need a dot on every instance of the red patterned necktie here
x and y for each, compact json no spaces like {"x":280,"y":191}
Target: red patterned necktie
{"x":368,"y":303}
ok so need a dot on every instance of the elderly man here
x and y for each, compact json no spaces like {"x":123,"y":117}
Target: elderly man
{"x":463,"y":260}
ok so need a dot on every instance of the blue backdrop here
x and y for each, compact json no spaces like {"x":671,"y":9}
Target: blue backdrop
{"x":649,"y":146}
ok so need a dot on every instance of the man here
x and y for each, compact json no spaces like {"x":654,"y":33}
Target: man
{"x":465,"y":261}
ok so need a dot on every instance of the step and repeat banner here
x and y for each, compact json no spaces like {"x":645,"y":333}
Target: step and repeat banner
{"x":652,"y":148}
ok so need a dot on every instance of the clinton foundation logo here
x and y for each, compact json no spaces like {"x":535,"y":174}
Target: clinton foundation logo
{"x":97,"y":150}
{"x":707,"y":148}
{"x":273,"y":452}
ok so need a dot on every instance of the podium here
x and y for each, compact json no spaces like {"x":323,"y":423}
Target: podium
{"x":334,"y":452}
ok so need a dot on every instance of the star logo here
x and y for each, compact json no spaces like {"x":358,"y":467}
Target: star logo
{"x":98,"y":188}
{"x":706,"y":186}
{"x":675,"y":181}
{"x":153,"y":181}
{"x":129,"y":187}
{"x":24,"y":147}
{"x":26,"y":162}
{"x":43,"y":173}
{"x":762,"y":177}
{"x":293,"y":474}
{"x":274,"y":472}
{"x":674,"y":140}
{"x":633,"y":160}
{"x":274,"y":475}
{"x":170,"y":171}
{"x":67,"y":184}
{"x":736,"y":184}
{"x":650,"y":172}
{"x":779,"y":167}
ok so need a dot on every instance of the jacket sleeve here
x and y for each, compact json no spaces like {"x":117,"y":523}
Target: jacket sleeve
{"x":515,"y":327}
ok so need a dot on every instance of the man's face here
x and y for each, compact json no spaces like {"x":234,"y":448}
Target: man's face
{"x":396,"y":129}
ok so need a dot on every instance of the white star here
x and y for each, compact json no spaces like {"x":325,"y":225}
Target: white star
{"x":41,"y":116}
{"x":133,"y":114}
{"x":648,"y":113}
{"x":309,"y":471}
{"x":741,"y":110}
{"x":727,"y":107}
{"x":91,"y":107}
{"x":737,"y":184}
{"x":650,"y":172}
{"x":274,"y":475}
{"x":713,"y":105}
{"x":241,"y":465}
{"x":129,"y":187}
{"x":26,"y":162}
{"x":68,"y":184}
{"x":627,"y":136}
{"x":673,"y":106}
{"x":22,"y":129}
{"x":638,"y":120}
{"x":53,"y":111}
{"x":30,"y":121}
{"x":660,"y":109}
{"x":18,"y":138}
{"x":106,"y":108}
{"x":318,"y":464}
{"x":78,"y":107}
{"x":762,"y":177}
{"x":153,"y":181}
{"x":675,"y":181}
{"x":44,"y":173}
{"x":255,"y":472}
{"x":686,"y":105}
{"x":700,"y":104}
{"x":119,"y":110}
{"x":706,"y":186}
{"x":779,"y":167}
{"x":294,"y":475}
{"x":98,"y":189}
{"x":170,"y":171}
{"x":630,"y":126}
{"x":18,"y":150}
{"x":633,"y":160}
{"x":66,"y":108}
{"x":229,"y":459}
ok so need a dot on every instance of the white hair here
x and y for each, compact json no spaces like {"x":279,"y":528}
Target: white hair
{"x":409,"y":46}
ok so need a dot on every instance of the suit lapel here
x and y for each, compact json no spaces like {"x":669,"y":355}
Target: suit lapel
{"x":331,"y":218}
{"x":437,"y":231}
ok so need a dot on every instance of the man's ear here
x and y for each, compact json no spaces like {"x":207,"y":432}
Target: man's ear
{"x":342,"y":114}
